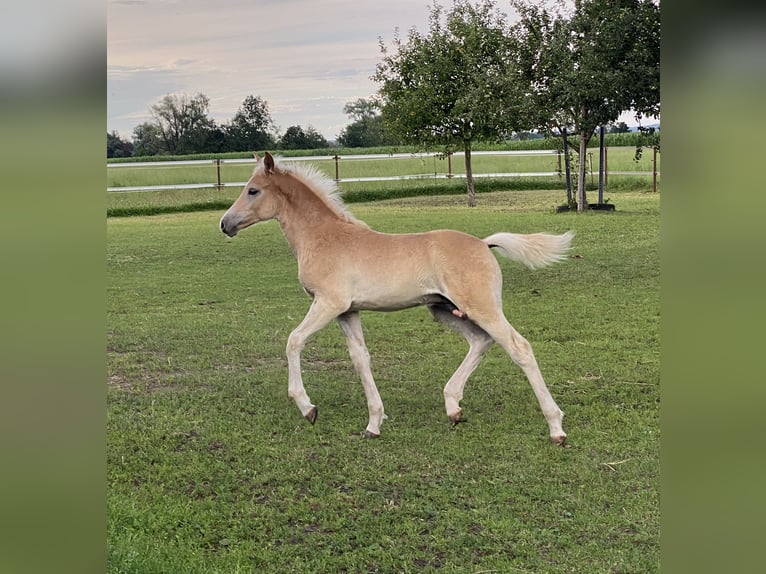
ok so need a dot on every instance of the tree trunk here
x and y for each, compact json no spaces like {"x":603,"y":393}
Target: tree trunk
{"x":469,"y":175}
{"x":567,"y":167}
{"x":582,"y":200}
{"x":601,"y":167}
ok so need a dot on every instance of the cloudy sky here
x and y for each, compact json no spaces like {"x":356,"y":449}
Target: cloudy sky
{"x":306,"y":58}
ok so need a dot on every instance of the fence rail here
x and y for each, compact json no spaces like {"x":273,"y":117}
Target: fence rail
{"x":336,"y":158}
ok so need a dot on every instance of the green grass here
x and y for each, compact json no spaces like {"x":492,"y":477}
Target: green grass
{"x":211,"y":468}
{"x":167,"y":201}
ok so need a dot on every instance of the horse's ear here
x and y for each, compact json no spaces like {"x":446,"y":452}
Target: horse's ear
{"x":257,"y":157}
{"x":268,"y":163}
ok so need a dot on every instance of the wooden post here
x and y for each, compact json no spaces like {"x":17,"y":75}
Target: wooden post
{"x":336,"y":158}
{"x":218,"y":173}
{"x":449,"y":164}
{"x":654,"y":170}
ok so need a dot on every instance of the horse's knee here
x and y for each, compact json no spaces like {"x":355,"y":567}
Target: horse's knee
{"x":295,"y":345}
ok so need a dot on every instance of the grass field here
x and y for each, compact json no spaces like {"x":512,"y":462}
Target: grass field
{"x":119,"y":203}
{"x":211,"y":468}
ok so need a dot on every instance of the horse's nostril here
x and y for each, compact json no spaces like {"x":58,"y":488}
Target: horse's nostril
{"x":221,"y":224}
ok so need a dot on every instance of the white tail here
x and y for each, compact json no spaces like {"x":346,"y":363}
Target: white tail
{"x":533,"y":250}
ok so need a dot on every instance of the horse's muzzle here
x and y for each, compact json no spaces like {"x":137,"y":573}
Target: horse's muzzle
{"x":230,"y":231}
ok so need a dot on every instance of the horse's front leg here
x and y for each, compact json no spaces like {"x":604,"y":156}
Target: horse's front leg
{"x":318,"y":316}
{"x":351,"y":325}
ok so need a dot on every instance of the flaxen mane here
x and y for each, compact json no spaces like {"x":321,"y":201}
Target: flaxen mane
{"x":319,"y":183}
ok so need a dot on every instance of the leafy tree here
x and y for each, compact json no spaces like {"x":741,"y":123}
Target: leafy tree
{"x":586,"y":68}
{"x":147,"y":140}
{"x":361,"y":109}
{"x":183,"y":123}
{"x":367,"y":129}
{"x":252,"y":127}
{"x":452,"y":86}
{"x":117,"y":147}
{"x":618,"y":128}
{"x":295,"y":137}
{"x":648,"y":137}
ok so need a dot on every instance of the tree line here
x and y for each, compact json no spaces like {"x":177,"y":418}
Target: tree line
{"x":562,"y":69}
{"x":181,"y":125}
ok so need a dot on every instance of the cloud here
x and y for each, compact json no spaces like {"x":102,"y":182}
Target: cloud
{"x":301,"y":56}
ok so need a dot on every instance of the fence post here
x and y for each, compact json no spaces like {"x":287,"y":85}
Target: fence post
{"x":336,"y":157}
{"x":449,"y":165}
{"x":218,"y":184}
{"x":654,"y":170}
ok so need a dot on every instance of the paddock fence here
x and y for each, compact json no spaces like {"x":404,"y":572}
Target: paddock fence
{"x":339,"y":162}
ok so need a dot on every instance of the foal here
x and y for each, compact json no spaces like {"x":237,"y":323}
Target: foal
{"x":346,"y":267}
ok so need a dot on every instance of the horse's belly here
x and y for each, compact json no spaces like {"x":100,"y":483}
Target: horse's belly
{"x":386,"y":296}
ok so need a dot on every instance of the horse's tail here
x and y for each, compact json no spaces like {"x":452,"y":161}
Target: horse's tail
{"x":533,"y":250}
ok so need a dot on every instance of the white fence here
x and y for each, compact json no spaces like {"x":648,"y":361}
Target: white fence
{"x":336,"y":158}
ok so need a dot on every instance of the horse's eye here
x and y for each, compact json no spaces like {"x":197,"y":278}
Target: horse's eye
{"x":253,"y":191}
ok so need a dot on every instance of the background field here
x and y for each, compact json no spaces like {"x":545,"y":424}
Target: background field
{"x":620,"y":159}
{"x":212,"y":469}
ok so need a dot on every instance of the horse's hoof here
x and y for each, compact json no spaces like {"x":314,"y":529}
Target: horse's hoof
{"x":559,"y":439}
{"x":368,"y":434}
{"x":456,"y":418}
{"x":311,"y":416}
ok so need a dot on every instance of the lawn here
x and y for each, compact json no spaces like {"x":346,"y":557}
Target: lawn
{"x":211,"y":468}
{"x":620,"y":159}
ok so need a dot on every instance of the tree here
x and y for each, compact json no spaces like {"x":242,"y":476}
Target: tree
{"x":147,"y":140}
{"x":116,"y":146}
{"x":618,"y":128}
{"x":252,"y":127}
{"x":183,"y":124}
{"x":452,"y":86}
{"x":586,"y":68}
{"x":295,"y":137}
{"x":367,"y":129}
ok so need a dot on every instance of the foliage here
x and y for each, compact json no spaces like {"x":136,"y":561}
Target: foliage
{"x":618,"y":128}
{"x":295,"y":137}
{"x":648,"y":137}
{"x":251,"y":128}
{"x":367,"y":128}
{"x":116,"y":146}
{"x":587,"y":67}
{"x":183,"y":125}
{"x":617,"y":140}
{"x":146,"y":140}
{"x":450,"y":87}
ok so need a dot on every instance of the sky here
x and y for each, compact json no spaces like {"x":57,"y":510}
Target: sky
{"x":305,"y":58}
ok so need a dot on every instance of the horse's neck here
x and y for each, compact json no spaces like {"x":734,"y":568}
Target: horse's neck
{"x":304,"y":217}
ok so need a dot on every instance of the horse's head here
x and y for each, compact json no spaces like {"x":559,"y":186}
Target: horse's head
{"x":257,"y":202}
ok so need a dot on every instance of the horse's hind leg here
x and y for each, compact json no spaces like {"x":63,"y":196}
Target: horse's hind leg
{"x":521,"y":352}
{"x":479,"y":342}
{"x":351,"y":325}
